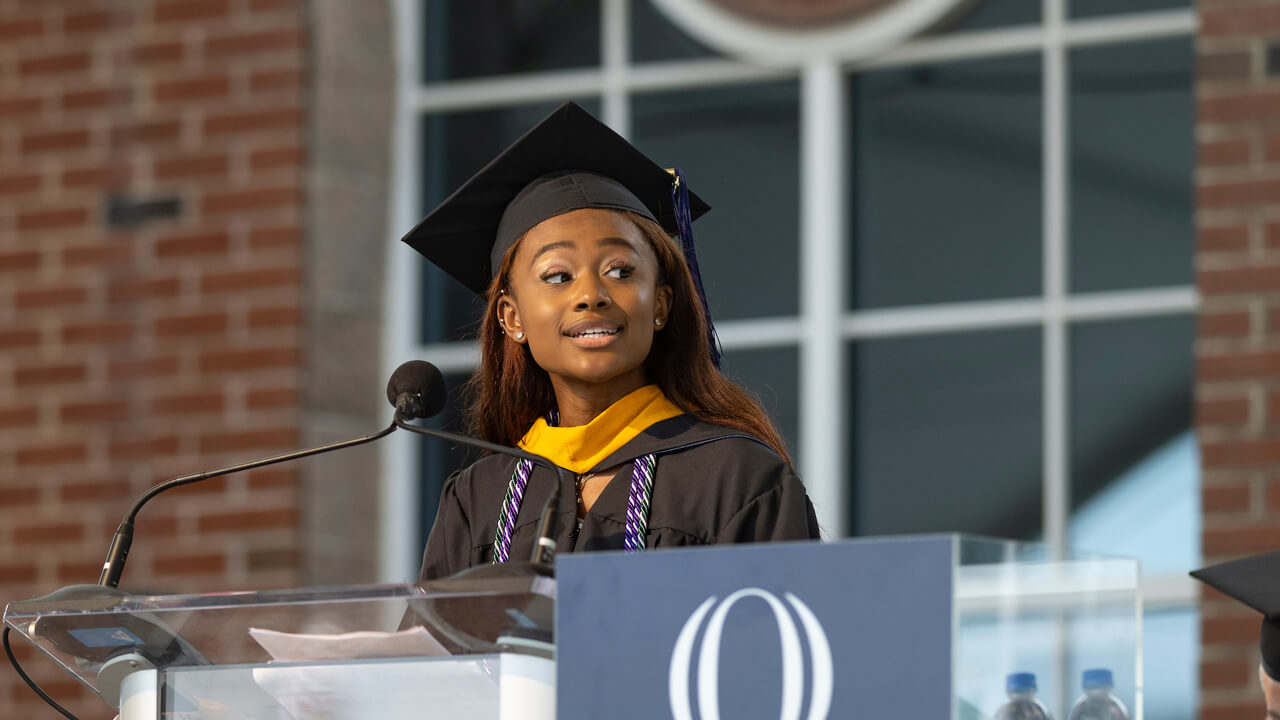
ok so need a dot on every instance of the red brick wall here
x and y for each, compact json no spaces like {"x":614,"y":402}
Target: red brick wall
{"x":1238,"y":377}
{"x":130,"y":355}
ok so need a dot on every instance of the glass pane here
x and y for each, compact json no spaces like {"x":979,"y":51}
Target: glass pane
{"x":1171,"y":663}
{"x":1131,"y":442}
{"x":747,"y":243}
{"x":438,"y":459}
{"x":771,"y":375}
{"x":1095,"y":8}
{"x":655,"y":37}
{"x":454,"y":147}
{"x":1131,"y":165}
{"x":946,"y":182}
{"x":947,"y":434}
{"x":989,"y":15}
{"x":474,"y":38}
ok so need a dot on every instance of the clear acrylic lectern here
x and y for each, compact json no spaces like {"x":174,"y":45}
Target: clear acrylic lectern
{"x":454,"y":649}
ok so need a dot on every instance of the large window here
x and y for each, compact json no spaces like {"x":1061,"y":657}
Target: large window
{"x":1013,"y":333}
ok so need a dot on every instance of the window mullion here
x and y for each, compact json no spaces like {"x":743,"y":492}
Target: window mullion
{"x":615,"y":54}
{"x":1055,"y":172}
{"x":398,"y":488}
{"x":823,"y":382}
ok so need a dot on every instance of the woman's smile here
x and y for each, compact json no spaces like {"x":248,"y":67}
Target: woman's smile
{"x":593,"y":333}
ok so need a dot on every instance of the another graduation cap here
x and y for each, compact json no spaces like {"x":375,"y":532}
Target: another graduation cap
{"x":1254,"y":581}
{"x":567,"y":162}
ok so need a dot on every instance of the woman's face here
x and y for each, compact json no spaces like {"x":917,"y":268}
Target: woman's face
{"x":584,"y":291}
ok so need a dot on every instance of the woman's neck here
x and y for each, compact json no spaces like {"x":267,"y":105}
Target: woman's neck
{"x":579,"y":404}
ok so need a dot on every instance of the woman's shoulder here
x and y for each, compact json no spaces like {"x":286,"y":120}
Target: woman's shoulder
{"x":484,"y":477}
{"x":714,"y":450}
{"x":734,"y":486}
{"x":708,"y":437}
{"x":686,"y":432}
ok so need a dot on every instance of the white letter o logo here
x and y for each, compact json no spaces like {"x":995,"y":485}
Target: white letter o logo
{"x":792,"y":659}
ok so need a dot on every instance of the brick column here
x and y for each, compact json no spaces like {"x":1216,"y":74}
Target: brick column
{"x":168,"y":342}
{"x":1238,"y":348}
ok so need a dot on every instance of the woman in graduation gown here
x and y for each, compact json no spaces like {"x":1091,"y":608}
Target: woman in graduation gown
{"x":596,"y":352}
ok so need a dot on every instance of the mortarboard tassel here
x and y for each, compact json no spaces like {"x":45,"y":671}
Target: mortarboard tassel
{"x":684,"y":223}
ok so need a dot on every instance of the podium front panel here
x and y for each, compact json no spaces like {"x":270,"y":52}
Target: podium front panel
{"x":791,"y":630}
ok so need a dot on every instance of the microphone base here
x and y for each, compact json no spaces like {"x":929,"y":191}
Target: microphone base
{"x":508,"y":576}
{"x":474,"y":610}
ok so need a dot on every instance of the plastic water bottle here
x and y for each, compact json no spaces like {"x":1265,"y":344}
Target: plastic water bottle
{"x":1098,"y":703}
{"x":1022,"y":704}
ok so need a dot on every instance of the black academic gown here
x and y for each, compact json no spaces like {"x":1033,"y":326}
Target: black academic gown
{"x":711,"y":484}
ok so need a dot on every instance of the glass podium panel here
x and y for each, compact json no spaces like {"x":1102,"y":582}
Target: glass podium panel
{"x":193,"y":639}
{"x":1020,"y":610}
{"x":404,"y":689}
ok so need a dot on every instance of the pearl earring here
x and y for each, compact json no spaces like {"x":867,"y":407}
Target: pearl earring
{"x":519,"y":336}
{"x":657,"y":322}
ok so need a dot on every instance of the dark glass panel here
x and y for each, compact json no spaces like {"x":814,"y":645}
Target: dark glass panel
{"x":946,"y":183}
{"x":454,"y":147}
{"x":1130,"y":403}
{"x":1132,"y":165}
{"x":654,"y":37}
{"x":476,"y":38}
{"x":947,"y":434}
{"x":739,"y":148}
{"x":1097,"y":8}
{"x":438,"y":459}
{"x":1170,"y":667}
{"x":989,"y":15}
{"x":772,"y":376}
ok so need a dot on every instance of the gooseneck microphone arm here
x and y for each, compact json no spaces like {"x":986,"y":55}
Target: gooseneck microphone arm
{"x":549,"y":527}
{"x":119,"y":551}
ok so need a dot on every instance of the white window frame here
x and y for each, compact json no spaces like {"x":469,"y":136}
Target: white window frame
{"x":822,"y":242}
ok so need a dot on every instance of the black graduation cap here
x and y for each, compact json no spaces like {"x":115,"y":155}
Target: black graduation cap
{"x":569,"y":161}
{"x":1254,"y":581}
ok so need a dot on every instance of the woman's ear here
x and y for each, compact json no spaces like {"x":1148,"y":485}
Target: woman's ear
{"x":662,"y":306}
{"x":509,"y":318}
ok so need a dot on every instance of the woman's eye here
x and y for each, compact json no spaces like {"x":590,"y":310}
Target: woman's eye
{"x":619,"y":271}
{"x":555,"y":277}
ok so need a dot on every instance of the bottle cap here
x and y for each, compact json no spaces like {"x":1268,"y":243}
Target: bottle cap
{"x":1020,"y":682}
{"x":1097,"y":678}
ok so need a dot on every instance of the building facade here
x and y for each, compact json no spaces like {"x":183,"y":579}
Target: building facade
{"x":1021,"y":264}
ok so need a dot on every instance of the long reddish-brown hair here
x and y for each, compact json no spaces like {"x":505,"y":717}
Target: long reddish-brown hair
{"x":510,"y":392}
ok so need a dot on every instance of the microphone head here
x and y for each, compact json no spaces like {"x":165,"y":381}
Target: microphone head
{"x":416,"y":389}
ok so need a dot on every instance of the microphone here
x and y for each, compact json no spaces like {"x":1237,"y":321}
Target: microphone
{"x":417,"y":391}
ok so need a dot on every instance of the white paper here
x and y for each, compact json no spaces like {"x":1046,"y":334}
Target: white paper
{"x":302,"y":647}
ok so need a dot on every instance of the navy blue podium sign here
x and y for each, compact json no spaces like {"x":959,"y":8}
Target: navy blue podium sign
{"x":795,"y":631}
